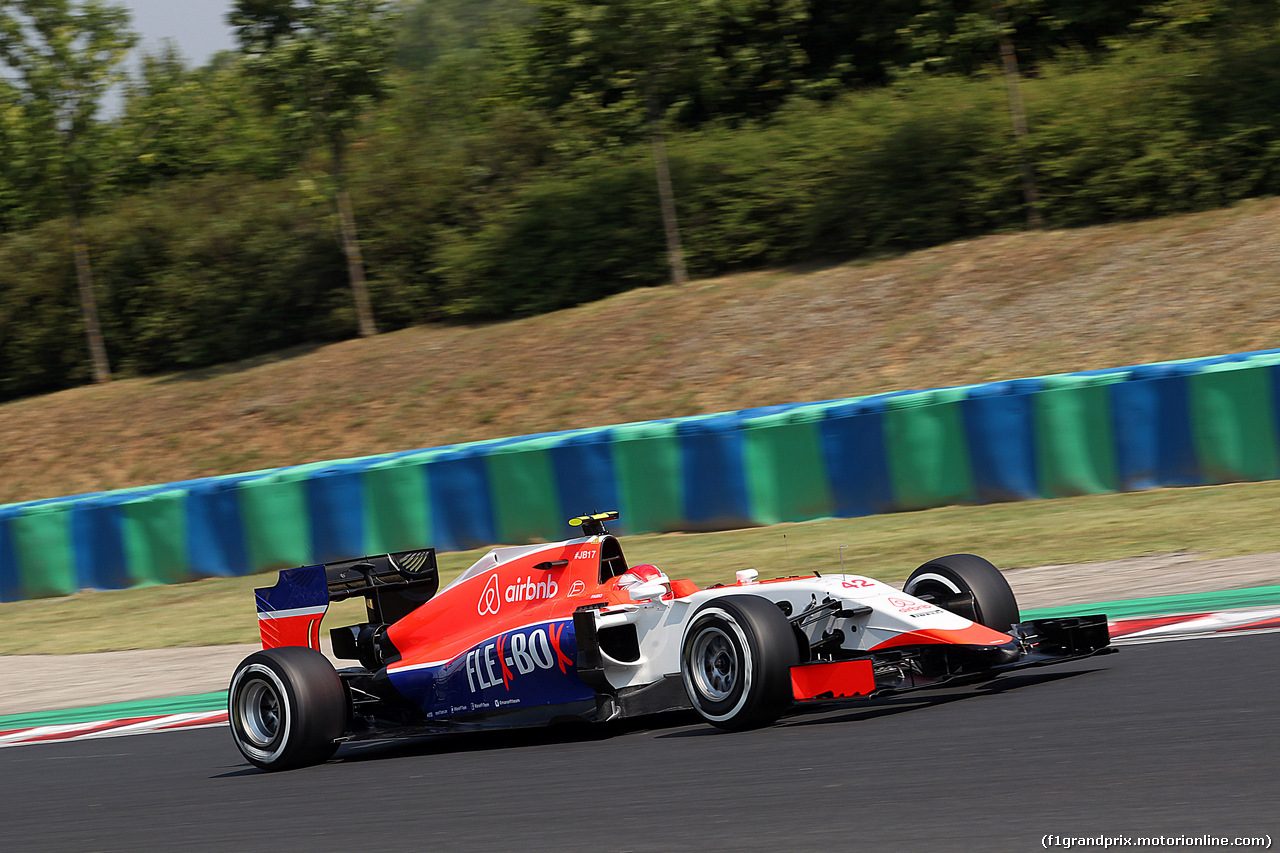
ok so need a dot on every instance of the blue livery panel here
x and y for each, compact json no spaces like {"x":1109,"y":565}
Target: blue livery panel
{"x":294,"y":589}
{"x":527,"y":667}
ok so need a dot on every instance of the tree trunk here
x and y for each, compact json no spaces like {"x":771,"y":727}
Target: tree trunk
{"x":1030,"y":192}
{"x":351,"y":248}
{"x":667,"y":201}
{"x":89,"y":302}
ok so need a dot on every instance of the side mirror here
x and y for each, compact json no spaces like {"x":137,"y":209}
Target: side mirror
{"x":652,"y":591}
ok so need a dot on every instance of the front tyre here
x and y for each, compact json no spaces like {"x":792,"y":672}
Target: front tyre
{"x":736,"y":660}
{"x":287,"y":708}
{"x":969,"y":586}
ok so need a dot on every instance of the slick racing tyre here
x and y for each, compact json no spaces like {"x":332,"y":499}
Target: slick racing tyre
{"x":736,"y":660}
{"x":959,"y":576}
{"x":287,"y":708}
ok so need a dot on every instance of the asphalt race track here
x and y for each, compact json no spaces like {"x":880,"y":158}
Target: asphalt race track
{"x":1174,"y":738}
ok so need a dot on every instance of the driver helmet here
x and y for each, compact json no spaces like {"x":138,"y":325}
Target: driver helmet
{"x":644,"y":573}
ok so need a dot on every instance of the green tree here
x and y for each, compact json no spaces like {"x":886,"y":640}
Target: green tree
{"x":320,"y":65}
{"x":628,"y":65}
{"x":432,"y":31}
{"x":12,"y":147}
{"x":181,"y":122}
{"x":64,"y":56}
{"x":859,"y":44}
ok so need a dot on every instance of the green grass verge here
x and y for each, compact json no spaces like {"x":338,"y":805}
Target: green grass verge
{"x":1218,"y":520}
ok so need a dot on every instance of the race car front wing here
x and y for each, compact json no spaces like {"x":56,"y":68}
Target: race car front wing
{"x":843,"y":677}
{"x":1039,"y":642}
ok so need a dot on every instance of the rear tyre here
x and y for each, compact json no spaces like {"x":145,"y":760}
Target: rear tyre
{"x":957,"y":576}
{"x":287,"y":708}
{"x":736,"y":660}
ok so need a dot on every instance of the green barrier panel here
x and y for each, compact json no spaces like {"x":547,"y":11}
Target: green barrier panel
{"x":44,"y":551}
{"x":397,"y":514}
{"x":277,"y":524}
{"x":1075,"y":446}
{"x":786,"y":470}
{"x":928,"y":454}
{"x":1232,"y":422}
{"x":154,"y":529}
{"x":646,"y":460}
{"x":522,"y":487}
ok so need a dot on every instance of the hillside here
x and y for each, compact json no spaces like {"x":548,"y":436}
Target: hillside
{"x":999,"y":307}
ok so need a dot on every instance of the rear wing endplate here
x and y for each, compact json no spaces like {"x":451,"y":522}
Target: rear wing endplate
{"x":393,"y":585}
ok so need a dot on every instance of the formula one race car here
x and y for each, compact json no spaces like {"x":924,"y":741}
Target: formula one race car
{"x":570,"y":630}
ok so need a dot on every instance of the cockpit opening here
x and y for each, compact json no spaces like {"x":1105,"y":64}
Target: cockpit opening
{"x":612,"y":562}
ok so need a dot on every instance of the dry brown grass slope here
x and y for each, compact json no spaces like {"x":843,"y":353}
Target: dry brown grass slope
{"x":999,"y":307}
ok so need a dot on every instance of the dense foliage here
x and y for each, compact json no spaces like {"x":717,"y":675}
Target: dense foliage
{"x":507,"y":172}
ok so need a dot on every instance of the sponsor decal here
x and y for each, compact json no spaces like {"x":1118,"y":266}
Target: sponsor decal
{"x":578,"y":588}
{"x":524,"y":589}
{"x":491,"y":599}
{"x":511,"y":656}
{"x":565,"y":662}
{"x":914,"y":608}
{"x":529,"y":590}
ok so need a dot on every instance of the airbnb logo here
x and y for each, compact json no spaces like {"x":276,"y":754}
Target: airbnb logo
{"x":491,"y":598}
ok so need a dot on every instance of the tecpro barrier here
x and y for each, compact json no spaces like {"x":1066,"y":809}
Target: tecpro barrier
{"x":1200,"y":421}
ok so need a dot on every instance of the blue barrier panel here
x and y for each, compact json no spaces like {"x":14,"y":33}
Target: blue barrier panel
{"x":461,"y":509}
{"x":582,"y":465}
{"x":10,"y":581}
{"x":335,"y":502}
{"x":715,"y":486}
{"x":1152,"y":426}
{"x":215,"y":532}
{"x":1000,"y":432}
{"x":857,"y":464}
{"x":97,"y":539}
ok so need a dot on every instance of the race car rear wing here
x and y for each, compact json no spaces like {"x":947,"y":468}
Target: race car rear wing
{"x":393,"y":585}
